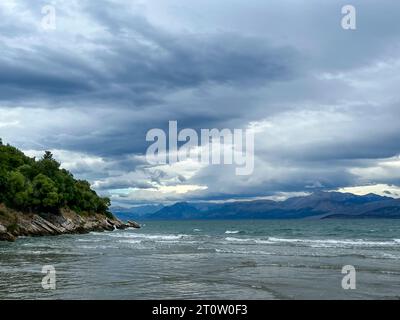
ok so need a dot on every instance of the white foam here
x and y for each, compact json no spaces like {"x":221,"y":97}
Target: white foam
{"x":262,"y":241}
{"x":239,"y":239}
{"x":89,"y":240}
{"x":336,"y":242}
{"x":131,"y":241}
{"x":389,"y":256}
{"x":153,"y":237}
{"x":243,"y":252}
{"x":247,"y":240}
{"x":98,"y":247}
{"x":327,"y":243}
{"x":232,"y":231}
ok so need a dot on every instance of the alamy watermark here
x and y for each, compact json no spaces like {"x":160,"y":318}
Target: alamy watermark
{"x":229,"y":147}
{"x":349,"y":280}
{"x":49,"y":280}
{"x":49,"y":17}
{"x":349,"y":20}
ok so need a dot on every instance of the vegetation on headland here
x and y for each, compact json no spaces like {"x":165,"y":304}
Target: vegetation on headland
{"x":36,"y":186}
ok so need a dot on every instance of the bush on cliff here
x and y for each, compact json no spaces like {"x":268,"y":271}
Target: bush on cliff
{"x":32,"y":185}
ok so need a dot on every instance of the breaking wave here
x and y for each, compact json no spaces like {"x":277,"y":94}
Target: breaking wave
{"x":318,"y":242}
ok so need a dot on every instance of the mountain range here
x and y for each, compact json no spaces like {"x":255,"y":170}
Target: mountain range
{"x":319,"y":205}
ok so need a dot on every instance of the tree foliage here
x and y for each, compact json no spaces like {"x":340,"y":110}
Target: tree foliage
{"x":32,"y":185}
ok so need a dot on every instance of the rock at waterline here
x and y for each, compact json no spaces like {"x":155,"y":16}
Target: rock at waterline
{"x":5,"y":235}
{"x":14,"y":224}
{"x":133,"y":224}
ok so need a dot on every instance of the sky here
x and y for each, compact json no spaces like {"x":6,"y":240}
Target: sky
{"x":324,"y":101}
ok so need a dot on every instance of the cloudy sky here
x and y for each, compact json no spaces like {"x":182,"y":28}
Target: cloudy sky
{"x":325,"y":101}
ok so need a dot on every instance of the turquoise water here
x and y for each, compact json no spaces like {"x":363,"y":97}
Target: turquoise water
{"x":260,"y":259}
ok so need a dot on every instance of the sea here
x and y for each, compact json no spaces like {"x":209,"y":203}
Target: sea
{"x":241,"y":259}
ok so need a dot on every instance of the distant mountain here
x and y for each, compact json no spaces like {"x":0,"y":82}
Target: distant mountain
{"x":180,"y":210}
{"x":319,"y":205}
{"x":135,"y":213}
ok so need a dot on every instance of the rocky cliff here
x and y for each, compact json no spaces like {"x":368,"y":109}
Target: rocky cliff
{"x":14,"y":224}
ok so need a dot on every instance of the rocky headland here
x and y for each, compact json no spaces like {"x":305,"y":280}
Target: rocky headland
{"x":14,"y":224}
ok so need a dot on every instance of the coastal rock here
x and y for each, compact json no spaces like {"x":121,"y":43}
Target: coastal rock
{"x":5,"y":235}
{"x":133,"y":224}
{"x":120,"y":225}
{"x":17,"y":224}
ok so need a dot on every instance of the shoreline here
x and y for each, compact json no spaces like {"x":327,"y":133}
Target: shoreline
{"x":14,"y":224}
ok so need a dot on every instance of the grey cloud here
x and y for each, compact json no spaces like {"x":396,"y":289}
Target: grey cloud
{"x":138,"y":63}
{"x":113,"y":70}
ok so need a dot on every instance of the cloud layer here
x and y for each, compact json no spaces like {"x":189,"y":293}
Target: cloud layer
{"x":324,"y":101}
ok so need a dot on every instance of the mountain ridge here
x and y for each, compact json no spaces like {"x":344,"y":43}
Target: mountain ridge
{"x":319,"y":205}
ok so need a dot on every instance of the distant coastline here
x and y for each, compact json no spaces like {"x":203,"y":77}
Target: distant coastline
{"x":319,"y":205}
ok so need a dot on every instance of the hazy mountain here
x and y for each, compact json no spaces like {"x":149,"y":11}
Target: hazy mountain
{"x":135,"y":212}
{"x":317,"y":206}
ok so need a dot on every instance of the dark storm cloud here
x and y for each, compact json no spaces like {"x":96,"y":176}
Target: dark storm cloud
{"x":112,"y":70}
{"x":136,"y":63}
{"x":133,"y":65}
{"x":22,"y":81}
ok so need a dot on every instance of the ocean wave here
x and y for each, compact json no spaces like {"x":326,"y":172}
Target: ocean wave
{"x":387,"y":256}
{"x":95,"y":247}
{"x":243,"y":251}
{"x":232,"y":231}
{"x":337,"y":242}
{"x":318,"y":243}
{"x":151,"y":237}
{"x":130,"y":241}
{"x":248,"y":240}
{"x":239,"y":239}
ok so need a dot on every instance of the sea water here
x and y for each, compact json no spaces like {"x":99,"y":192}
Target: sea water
{"x":243,"y":259}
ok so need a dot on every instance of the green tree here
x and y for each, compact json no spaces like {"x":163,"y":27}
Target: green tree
{"x":45,"y":195}
{"x":47,"y":165}
{"x":15,"y":183}
{"x":30,"y":185}
{"x":18,"y":190}
{"x":3,"y":184}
